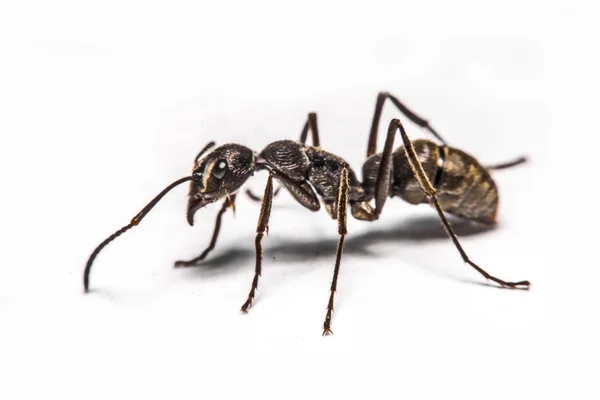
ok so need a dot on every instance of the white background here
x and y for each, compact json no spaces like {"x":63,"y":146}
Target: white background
{"x":102,"y":105}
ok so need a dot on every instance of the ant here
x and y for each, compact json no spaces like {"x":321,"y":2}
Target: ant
{"x":420,"y":171}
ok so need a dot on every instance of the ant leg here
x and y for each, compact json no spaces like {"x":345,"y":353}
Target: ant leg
{"x":258,"y":198}
{"x":311,"y":123}
{"x":431,"y":193}
{"x":372,"y":146}
{"x":229,"y":202}
{"x":509,"y":164}
{"x":423,"y":123}
{"x":342,"y":205}
{"x":384,"y":176}
{"x":263,"y":225}
{"x":382,"y":184}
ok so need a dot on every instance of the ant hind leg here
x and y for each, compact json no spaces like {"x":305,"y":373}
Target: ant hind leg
{"x":423,"y":123}
{"x":431,"y":193}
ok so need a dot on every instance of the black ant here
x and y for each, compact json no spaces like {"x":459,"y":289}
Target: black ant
{"x":422,"y":171}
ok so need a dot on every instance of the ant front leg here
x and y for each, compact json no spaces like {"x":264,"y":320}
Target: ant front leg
{"x":431,"y":193}
{"x":342,"y":217}
{"x":228,"y":203}
{"x":263,"y":225}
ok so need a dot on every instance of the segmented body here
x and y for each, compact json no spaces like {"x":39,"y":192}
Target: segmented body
{"x":464,"y":187}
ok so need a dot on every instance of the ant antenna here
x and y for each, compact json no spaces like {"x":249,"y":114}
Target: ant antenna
{"x":135,"y":221}
{"x":204,"y":150}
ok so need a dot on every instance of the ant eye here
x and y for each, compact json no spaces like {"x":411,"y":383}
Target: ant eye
{"x":219,"y":169}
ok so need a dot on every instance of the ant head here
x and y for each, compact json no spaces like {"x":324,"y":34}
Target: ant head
{"x":219,"y":174}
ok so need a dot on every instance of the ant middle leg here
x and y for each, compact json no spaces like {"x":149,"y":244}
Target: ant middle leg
{"x":228,"y":203}
{"x":431,"y":193}
{"x":342,"y":217}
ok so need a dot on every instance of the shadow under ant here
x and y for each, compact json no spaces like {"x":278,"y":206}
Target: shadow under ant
{"x":422,"y":228}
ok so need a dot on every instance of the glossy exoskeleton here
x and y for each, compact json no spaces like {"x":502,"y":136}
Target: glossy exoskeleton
{"x":422,"y":171}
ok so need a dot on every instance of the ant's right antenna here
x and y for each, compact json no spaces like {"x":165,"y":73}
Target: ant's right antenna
{"x":135,"y":221}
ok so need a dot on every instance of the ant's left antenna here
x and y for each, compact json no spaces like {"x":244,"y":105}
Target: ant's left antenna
{"x":204,"y":150}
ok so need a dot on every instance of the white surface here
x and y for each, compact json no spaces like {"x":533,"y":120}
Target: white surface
{"x":102,"y":106}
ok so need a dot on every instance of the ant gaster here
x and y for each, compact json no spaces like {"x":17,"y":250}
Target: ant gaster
{"x":422,"y":171}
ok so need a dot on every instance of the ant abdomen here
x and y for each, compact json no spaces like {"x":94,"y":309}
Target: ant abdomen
{"x":464,"y":187}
